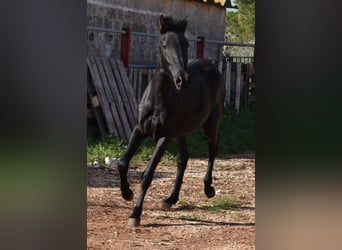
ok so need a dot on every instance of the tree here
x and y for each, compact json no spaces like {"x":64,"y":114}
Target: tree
{"x":240,"y":26}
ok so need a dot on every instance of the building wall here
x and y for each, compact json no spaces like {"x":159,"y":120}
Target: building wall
{"x":142,"y":16}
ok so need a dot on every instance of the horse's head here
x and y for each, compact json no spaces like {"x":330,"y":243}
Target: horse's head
{"x":173,"y":48}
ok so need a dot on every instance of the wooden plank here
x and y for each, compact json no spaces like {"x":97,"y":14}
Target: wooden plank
{"x":131,"y":76}
{"x":149,"y":75}
{"x":144,"y":81}
{"x":228,"y":82}
{"x":98,"y":118}
{"x":117,"y":98}
{"x":123,"y":93}
{"x":238,"y":87}
{"x":220,"y":66}
{"x":112,"y":104}
{"x":139,"y":84}
{"x":130,"y":93}
{"x":102,"y":95}
{"x":133,"y":106}
{"x":96,"y":110}
{"x":135,"y":77}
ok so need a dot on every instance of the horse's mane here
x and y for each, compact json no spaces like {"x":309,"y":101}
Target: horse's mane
{"x":174,"y":25}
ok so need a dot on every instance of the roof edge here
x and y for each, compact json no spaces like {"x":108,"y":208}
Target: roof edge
{"x":219,"y":3}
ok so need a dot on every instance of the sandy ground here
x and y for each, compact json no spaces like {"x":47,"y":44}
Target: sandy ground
{"x":190,"y":224}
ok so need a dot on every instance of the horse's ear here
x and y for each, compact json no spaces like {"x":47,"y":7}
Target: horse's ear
{"x":161,"y":23}
{"x":181,"y":25}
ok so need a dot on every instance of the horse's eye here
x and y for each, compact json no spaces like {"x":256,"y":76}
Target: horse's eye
{"x":163,"y":43}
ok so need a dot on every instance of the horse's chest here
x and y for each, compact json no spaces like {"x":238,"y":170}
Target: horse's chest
{"x":155,"y":124}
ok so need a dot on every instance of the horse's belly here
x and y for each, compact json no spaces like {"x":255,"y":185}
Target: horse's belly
{"x":188,"y":123}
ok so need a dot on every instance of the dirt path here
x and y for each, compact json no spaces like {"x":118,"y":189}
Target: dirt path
{"x":196,"y":222}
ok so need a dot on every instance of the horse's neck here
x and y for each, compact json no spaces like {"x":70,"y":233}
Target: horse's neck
{"x":161,"y":88}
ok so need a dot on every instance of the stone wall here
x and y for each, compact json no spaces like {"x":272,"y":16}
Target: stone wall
{"x":142,"y":16}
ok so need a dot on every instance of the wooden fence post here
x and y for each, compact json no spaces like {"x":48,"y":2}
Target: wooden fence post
{"x":126,"y":47}
{"x":239,"y":79}
{"x":200,"y":46}
{"x":228,"y":82}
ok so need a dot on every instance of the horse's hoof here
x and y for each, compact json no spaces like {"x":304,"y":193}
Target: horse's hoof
{"x":133,"y":222}
{"x":127,"y":195}
{"x":210,"y":192}
{"x":165,"y":205}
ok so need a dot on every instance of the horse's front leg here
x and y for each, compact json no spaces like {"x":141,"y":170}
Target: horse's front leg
{"x":182,"y":161}
{"x":146,"y":180}
{"x":136,"y":138}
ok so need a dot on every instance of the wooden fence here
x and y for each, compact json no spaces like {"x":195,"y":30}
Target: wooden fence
{"x":236,"y":77}
{"x":115,"y":94}
{"x":139,"y":78}
{"x":237,"y":82}
{"x":111,"y":92}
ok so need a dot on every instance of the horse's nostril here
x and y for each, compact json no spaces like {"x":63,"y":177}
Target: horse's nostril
{"x":179,"y":80}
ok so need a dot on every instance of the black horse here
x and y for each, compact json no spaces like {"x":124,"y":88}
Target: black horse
{"x":179,"y":99}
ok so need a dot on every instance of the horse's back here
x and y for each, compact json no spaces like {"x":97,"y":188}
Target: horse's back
{"x":206,"y":77}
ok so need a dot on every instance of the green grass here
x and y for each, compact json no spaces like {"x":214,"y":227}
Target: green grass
{"x":182,"y":202}
{"x":224,"y":203}
{"x":237,"y":132}
{"x":236,"y":135}
{"x":98,"y":150}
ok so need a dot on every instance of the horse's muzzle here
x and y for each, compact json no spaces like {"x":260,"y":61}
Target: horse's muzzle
{"x":182,"y":81}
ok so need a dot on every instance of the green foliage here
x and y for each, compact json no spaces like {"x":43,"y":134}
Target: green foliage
{"x":237,"y":132}
{"x":241,"y":24}
{"x":236,"y":135}
{"x":240,"y":27}
{"x":232,"y":27}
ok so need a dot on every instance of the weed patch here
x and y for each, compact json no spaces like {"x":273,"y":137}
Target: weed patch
{"x":225,"y":203}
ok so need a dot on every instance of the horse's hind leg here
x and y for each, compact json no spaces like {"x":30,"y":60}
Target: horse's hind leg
{"x":136,"y":138}
{"x":208,"y":189}
{"x":211,"y":128}
{"x":182,"y":160}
